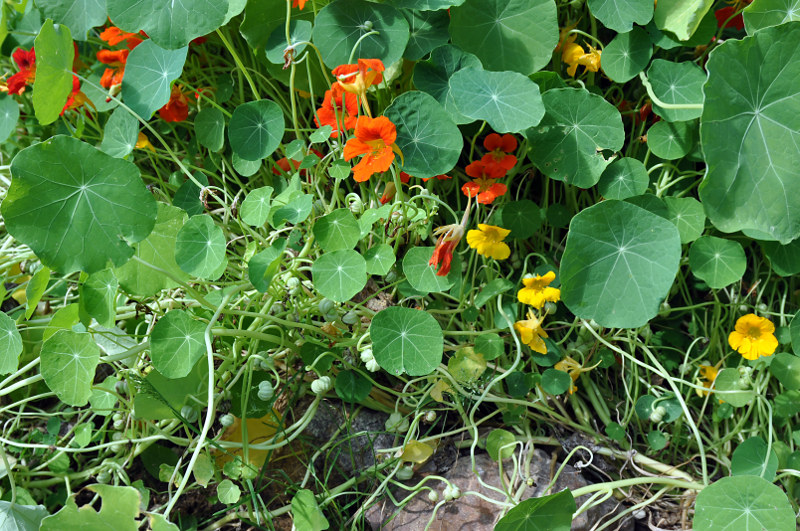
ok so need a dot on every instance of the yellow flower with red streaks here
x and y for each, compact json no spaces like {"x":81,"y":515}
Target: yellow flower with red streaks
{"x":531,"y":333}
{"x":488,"y":241}
{"x":753,"y":337}
{"x":537,"y":290}
{"x":574,"y":55}
{"x":374,"y":139}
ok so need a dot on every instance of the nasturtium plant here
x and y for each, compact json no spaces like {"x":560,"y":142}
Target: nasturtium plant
{"x":754,"y":458}
{"x":80,"y":16}
{"x":200,"y":247}
{"x":620,"y":15}
{"x":54,"y":56}
{"x":677,"y":84}
{"x":433,"y":76}
{"x":627,"y":54}
{"x":339,"y":275}
{"x":406,"y":341}
{"x":177,"y":342}
{"x":75,"y":206}
{"x":427,"y":30}
{"x":671,"y":140}
{"x":69,"y":360}
{"x":121,"y":133}
{"x":717,"y":261}
{"x":149,"y":73}
{"x":209,"y":126}
{"x":120,"y":504}
{"x":337,"y":231}
{"x":553,"y":511}
{"x":623,"y":178}
{"x":255,"y":207}
{"x":680,"y":18}
{"x":255,"y":129}
{"x":738,"y":502}
{"x":98,"y":298}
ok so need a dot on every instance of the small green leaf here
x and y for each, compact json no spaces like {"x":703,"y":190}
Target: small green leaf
{"x":626,"y":55}
{"x":200,"y":248}
{"x":53,"y":83}
{"x":351,"y":386}
{"x":256,"y":129}
{"x":750,"y":459}
{"x":422,"y":276}
{"x":556,"y":382}
{"x":490,"y":346}
{"x":677,"y":84}
{"x":228,"y":492}
{"x":671,"y":140}
{"x":10,"y":345}
{"x":656,"y":440}
{"x":98,"y":297}
{"x":687,"y":214}
{"x":716,"y":261}
{"x":120,"y":133}
{"x":307,"y":514}
{"x":255,"y":207}
{"x":203,"y":470}
{"x":35,"y":289}
{"x":68,"y":364}
{"x":727,"y":381}
{"x":623,"y":178}
{"x":63,"y":319}
{"x":149,"y":73}
{"x":466,"y":365}
{"x":176,"y":344}
{"x":209,"y":127}
{"x":380,"y":259}
{"x":160,"y":396}
{"x":491,"y":290}
{"x":553,"y":512}
{"x":263,"y":267}
{"x":337,"y":231}
{"x":102,"y":400}
{"x":523,"y":218}
{"x":339,"y":275}
{"x":500,"y":444}
{"x":406,"y":340}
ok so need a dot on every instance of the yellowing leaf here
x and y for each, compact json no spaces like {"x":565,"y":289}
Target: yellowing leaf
{"x":416,"y":452}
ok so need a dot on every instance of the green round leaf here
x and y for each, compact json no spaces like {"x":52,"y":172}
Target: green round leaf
{"x":149,"y":73}
{"x":339,"y":275}
{"x":742,"y":502}
{"x":209,"y":127}
{"x":263,"y":267}
{"x":620,"y":15}
{"x":10,"y":346}
{"x":337,"y":230}
{"x":466,"y":365}
{"x":176,"y":343}
{"x":306,"y":512}
{"x":766,"y":13}
{"x":567,"y":143}
{"x":671,"y":140}
{"x":78,"y":15}
{"x":98,"y":296}
{"x":158,"y":249}
{"x":406,"y":340}
{"x":53,"y":83}
{"x":784,"y":259}
{"x":255,"y":407}
{"x":556,"y":382}
{"x":429,"y":140}
{"x":656,"y":440}
{"x":255,"y":207}
{"x":651,"y":203}
{"x":433,"y":76}
{"x":68,"y":362}
{"x":626,"y":55}
{"x":380,"y":259}
{"x":422,"y":276}
{"x":553,"y":512}
{"x":76,"y":207}
{"x":786,"y":368}
{"x":687,"y":214}
{"x":490,"y":346}
{"x":623,"y":178}
{"x":295,"y":210}
{"x":428,"y":29}
{"x":517,"y":35}
{"x":245,"y":168}
{"x":491,"y":290}
{"x":340,"y":25}
{"x":509,"y":101}
{"x":352,"y":386}
{"x":716,"y":261}
{"x":256,"y":129}
{"x":299,"y":32}
{"x":749,"y":132}
{"x":120,"y":133}
{"x":727,"y":381}
{"x":228,"y":492}
{"x":750,"y":459}
{"x":187,"y":196}
{"x":500,"y":444}
{"x":619,"y":264}
{"x":200,"y":248}
{"x":169,"y":24}
{"x":523,"y":218}
{"x":676,"y":83}
{"x":9,"y":115}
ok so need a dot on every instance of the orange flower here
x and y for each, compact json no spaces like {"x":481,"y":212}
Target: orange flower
{"x":338,"y":107}
{"x":116,"y":60}
{"x":483,"y":185}
{"x":177,"y":108}
{"x":299,"y":3}
{"x":76,"y":97}
{"x":499,"y":148}
{"x":359,"y":77}
{"x":374,"y":138}
{"x":26,"y":61}
{"x":449,"y":237}
{"x":113,"y":36}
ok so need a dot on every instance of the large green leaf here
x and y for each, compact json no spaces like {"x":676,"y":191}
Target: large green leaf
{"x":158,"y":250}
{"x":676,"y":84}
{"x":427,"y":30}
{"x":256,"y":129}
{"x":508,"y":101}
{"x":200,"y":248}
{"x":176,"y":343}
{"x":169,"y":24}
{"x":68,"y":362}
{"x":767,"y":13}
{"x":516,"y":35}
{"x":406,"y":340}
{"x":10,"y":345}
{"x":553,"y":512}
{"x":750,"y":458}
{"x":16,"y":517}
{"x":120,"y":133}
{"x":681,"y":17}
{"x":620,"y":15}
{"x":53,"y":83}
{"x":76,"y":207}
{"x":426,"y":135}
{"x":626,"y":55}
{"x":742,"y":502}
{"x":78,"y":15}
{"x":750,"y":130}
{"x":433,"y":76}
{"x":567,"y":144}
{"x":339,"y":275}
{"x":149,"y":73}
{"x":340,"y":26}
{"x":119,"y":510}
{"x":619,"y":264}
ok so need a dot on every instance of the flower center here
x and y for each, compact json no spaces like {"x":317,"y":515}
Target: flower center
{"x":376,"y":145}
{"x":754,"y":333}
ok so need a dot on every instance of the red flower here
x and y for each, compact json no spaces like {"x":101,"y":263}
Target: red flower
{"x":480,"y":169}
{"x":337,"y":107}
{"x":723,"y":14}
{"x":113,"y":36}
{"x":299,"y":3}
{"x":499,"y":148}
{"x":449,"y":237}
{"x":177,"y":108}
{"x":374,"y":138}
{"x":359,"y":77}
{"x":26,"y":61}
{"x":115,"y":59}
{"x":76,"y":97}
{"x":483,"y":185}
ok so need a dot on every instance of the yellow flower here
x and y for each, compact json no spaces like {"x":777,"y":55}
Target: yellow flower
{"x":536,"y":291}
{"x":531,"y":333}
{"x":488,"y":241}
{"x":708,"y":374}
{"x":571,"y":367}
{"x":142,"y":142}
{"x":574,"y":55}
{"x":753,"y":337}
